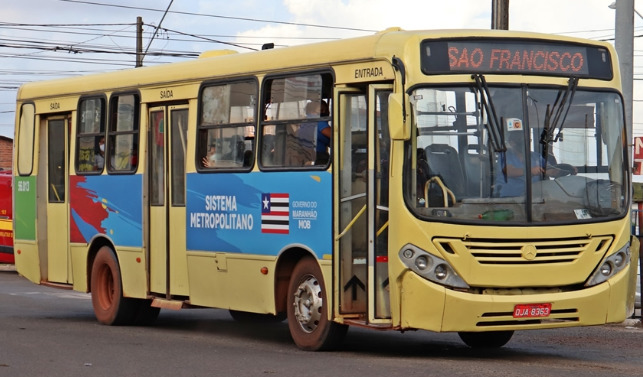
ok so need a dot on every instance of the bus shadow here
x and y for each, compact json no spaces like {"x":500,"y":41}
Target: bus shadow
{"x":410,"y":344}
{"x":218,"y":322}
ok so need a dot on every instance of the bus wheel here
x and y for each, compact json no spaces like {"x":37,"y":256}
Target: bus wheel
{"x":110,"y":307}
{"x":310,"y":327}
{"x":490,"y":339}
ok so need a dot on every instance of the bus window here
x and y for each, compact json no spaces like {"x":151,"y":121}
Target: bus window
{"x":122,"y":145}
{"x":179,"y":122}
{"x":296,"y":109}
{"x":90,"y":135}
{"x":25,"y":139}
{"x":226,"y":126}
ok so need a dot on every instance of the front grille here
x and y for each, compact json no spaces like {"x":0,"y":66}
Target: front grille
{"x":525,"y":251}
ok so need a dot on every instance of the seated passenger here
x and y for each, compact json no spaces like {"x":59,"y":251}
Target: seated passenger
{"x":211,"y":158}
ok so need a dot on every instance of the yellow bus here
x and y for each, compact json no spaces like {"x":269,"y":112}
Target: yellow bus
{"x":465,"y":181}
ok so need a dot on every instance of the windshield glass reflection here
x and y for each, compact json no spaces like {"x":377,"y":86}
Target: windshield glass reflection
{"x":553,"y":154}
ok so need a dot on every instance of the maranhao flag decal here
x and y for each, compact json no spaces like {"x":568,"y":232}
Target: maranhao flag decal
{"x":275,"y":213}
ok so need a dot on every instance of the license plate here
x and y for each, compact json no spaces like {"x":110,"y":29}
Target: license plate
{"x":532,"y":310}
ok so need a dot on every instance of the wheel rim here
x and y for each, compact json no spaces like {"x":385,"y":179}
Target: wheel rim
{"x":308,"y":304}
{"x":106,"y":288}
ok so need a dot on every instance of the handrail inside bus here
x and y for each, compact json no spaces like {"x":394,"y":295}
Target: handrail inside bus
{"x":382,"y":229}
{"x":350,"y":225}
{"x":424,"y":133}
{"x":445,"y":191}
{"x":471,"y":113}
{"x":352,"y":197}
{"x":55,"y":192}
{"x":183,"y":143}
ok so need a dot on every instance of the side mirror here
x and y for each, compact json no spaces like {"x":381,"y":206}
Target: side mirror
{"x":400,"y":130}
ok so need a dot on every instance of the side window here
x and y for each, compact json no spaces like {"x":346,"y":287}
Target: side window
{"x":123,"y":139}
{"x":90,"y":155}
{"x":295,"y":131}
{"x":227,"y":126}
{"x":26,"y":138}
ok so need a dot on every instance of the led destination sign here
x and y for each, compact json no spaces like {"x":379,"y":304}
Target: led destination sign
{"x":515,"y":57}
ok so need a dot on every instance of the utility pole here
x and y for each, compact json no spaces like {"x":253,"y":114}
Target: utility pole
{"x":500,"y":14}
{"x":624,"y":44}
{"x":139,"y":42}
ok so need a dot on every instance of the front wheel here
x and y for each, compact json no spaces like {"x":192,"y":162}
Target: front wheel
{"x":310,"y":327}
{"x":110,"y":307}
{"x":490,"y":339}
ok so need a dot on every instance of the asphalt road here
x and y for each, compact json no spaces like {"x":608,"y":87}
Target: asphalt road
{"x":51,"y":332}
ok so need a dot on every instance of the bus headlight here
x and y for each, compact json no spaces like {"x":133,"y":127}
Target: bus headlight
{"x":422,"y":262}
{"x":430,"y":267}
{"x":610,"y":266}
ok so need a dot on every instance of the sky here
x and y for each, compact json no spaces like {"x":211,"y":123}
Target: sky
{"x":45,"y":39}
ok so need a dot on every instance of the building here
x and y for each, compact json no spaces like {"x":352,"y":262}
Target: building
{"x":6,"y":152}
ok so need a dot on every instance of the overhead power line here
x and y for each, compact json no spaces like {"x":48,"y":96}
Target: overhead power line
{"x":156,"y":30}
{"x":219,"y":16}
{"x":89,"y":29}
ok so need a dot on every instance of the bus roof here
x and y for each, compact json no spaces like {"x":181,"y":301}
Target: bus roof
{"x":382,"y":45}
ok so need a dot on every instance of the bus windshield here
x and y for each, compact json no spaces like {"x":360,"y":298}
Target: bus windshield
{"x":541,"y":154}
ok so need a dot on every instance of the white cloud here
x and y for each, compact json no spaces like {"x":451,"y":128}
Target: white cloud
{"x":583,"y":18}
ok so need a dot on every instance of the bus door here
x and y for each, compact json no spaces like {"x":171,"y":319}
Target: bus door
{"x":166,"y":192}
{"x":54,"y":162}
{"x":361,"y":163}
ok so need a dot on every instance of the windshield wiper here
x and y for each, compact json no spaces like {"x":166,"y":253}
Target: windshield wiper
{"x":496,"y":134}
{"x":553,"y":115}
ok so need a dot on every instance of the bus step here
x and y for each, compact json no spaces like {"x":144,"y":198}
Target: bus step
{"x":167,"y":304}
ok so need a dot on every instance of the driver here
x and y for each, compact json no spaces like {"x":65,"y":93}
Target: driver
{"x":511,"y":179}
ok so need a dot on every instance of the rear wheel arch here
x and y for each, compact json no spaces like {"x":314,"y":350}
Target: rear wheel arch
{"x":283,"y":272}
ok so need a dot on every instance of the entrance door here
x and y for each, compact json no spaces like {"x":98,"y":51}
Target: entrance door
{"x":56,"y":158}
{"x":166,"y":172}
{"x":362,"y":222}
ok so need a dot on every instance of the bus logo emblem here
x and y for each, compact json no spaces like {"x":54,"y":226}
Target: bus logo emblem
{"x":275,"y":213}
{"x":529,"y":252}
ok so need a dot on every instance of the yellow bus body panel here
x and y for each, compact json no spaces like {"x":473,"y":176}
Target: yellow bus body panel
{"x":216,"y":279}
{"x":132,"y":263}
{"x":27,"y":260}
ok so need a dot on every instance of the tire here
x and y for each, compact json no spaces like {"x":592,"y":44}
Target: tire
{"x":491,"y":339}
{"x":307,"y":308}
{"x":110,"y":307}
{"x":247,"y":317}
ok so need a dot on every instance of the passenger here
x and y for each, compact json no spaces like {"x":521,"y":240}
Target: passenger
{"x":322,"y":147}
{"x":306,"y":134}
{"x":211,"y":158}
{"x":99,"y":157}
{"x":247,"y":158}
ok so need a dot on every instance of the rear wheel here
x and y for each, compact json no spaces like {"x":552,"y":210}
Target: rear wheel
{"x":110,"y":307}
{"x":310,"y":327}
{"x":491,"y":339}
